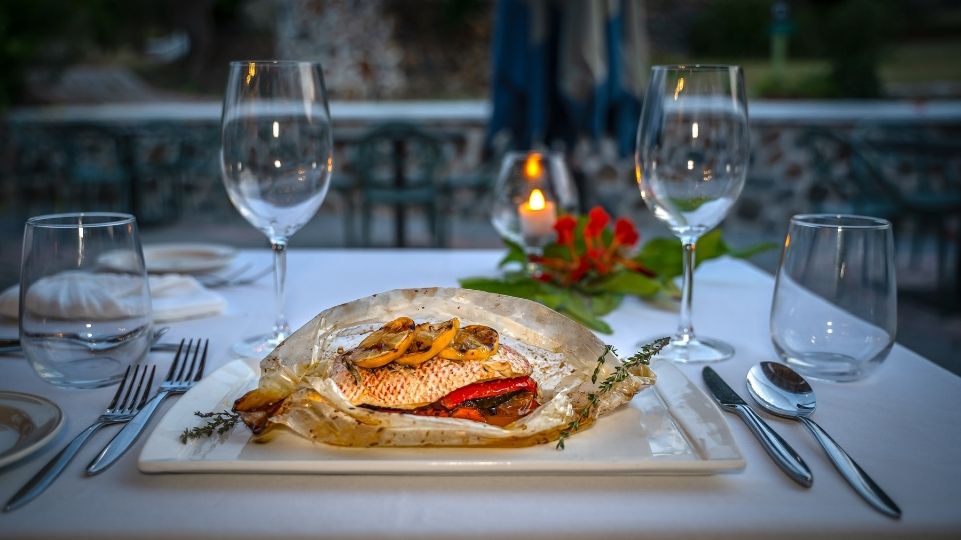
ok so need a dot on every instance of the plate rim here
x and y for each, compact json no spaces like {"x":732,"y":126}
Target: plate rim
{"x":221,"y":256}
{"x":13,"y":457}
{"x":160,"y":456}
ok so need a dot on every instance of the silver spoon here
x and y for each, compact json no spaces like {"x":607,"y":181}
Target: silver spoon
{"x":782,"y":391}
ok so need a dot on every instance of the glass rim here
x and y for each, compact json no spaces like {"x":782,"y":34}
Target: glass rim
{"x":696,"y":67}
{"x":274,"y":63}
{"x":513,"y":154}
{"x":840,"y":221}
{"x":60,"y":221}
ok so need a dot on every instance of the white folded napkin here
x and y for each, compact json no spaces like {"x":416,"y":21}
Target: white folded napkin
{"x":76,"y":294}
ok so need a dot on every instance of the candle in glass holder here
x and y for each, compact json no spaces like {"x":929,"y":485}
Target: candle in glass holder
{"x":537,"y":217}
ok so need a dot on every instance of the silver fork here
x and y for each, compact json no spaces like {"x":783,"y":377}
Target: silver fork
{"x":234,"y":278}
{"x":116,"y":412}
{"x":185,"y":370}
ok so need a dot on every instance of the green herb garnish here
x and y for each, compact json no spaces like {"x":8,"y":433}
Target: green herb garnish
{"x":219,"y":423}
{"x":642,"y":357}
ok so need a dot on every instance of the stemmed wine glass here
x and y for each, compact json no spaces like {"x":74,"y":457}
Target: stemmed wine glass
{"x":276,"y":160}
{"x":693,"y":147}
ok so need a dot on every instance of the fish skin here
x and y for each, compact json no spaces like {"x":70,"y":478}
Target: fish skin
{"x":400,"y":387}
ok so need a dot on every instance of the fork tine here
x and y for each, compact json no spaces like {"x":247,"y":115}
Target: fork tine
{"x":183,"y":366}
{"x":215,"y":280}
{"x":173,"y":364}
{"x":203,"y":362}
{"x":116,"y":396}
{"x":193,"y":364}
{"x":126,"y":396}
{"x":246,"y":280}
{"x":136,"y":395}
{"x":143,"y":397}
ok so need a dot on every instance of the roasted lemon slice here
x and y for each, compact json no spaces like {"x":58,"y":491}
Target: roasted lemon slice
{"x":384,"y":345}
{"x":473,"y":342}
{"x":429,"y":339}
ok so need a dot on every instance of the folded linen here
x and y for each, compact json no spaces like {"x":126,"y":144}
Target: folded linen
{"x":76,"y":294}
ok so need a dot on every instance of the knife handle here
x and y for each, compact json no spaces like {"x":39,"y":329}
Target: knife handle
{"x":780,"y":451}
{"x":11,"y":345}
{"x":125,"y":438}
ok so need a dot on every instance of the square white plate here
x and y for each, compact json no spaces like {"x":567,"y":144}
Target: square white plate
{"x":672,"y":428}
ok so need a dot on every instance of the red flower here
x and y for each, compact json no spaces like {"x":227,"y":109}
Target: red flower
{"x":544,"y":277}
{"x":599,"y":259}
{"x":624,"y":232}
{"x":565,"y":226}
{"x":596,"y":221}
{"x":580,"y":271}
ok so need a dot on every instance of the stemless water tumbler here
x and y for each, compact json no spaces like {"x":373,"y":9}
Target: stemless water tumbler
{"x":85,"y":311}
{"x":834,"y":313}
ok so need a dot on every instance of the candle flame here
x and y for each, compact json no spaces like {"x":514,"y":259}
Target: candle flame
{"x":536,"y":200}
{"x":679,"y":88}
{"x":532,"y":167}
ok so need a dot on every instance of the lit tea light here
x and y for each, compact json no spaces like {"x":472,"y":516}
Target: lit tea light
{"x":537,"y":216}
{"x":533,"y":168}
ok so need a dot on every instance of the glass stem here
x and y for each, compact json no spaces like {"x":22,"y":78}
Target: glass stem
{"x":281,"y":328}
{"x":685,"y":329}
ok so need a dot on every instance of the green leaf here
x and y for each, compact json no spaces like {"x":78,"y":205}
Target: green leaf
{"x":710,"y":246}
{"x":690,"y":204}
{"x":576,"y":306}
{"x":528,"y":288}
{"x":627,"y":282}
{"x":663,"y":256}
{"x":557,"y":251}
{"x":515,"y":253}
{"x":604,"y":303}
{"x":751,"y":251}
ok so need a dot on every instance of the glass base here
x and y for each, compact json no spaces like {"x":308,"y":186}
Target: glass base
{"x":257,"y":346}
{"x":695,"y":350}
{"x":833,"y":367}
{"x":83,"y":373}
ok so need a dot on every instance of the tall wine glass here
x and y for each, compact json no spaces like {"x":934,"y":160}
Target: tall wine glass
{"x":693,"y":147}
{"x":276,"y":160}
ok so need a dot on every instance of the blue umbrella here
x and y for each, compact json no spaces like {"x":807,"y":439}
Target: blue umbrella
{"x":566,"y":70}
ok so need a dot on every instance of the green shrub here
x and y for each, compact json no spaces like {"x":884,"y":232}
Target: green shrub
{"x":732,"y":28}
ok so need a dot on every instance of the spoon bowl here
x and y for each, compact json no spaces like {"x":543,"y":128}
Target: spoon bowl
{"x":780,"y":390}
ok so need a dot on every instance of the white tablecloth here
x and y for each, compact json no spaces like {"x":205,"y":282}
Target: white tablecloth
{"x":903,"y":425}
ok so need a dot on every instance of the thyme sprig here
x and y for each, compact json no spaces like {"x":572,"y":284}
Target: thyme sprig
{"x":220,"y":423}
{"x":642,"y":357}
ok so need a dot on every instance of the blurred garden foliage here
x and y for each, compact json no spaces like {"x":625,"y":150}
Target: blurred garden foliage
{"x":46,"y":36}
{"x":836,"y":48}
{"x":849,"y":37}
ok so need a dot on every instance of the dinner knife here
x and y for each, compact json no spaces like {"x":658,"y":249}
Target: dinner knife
{"x":780,"y":451}
{"x":12,"y":345}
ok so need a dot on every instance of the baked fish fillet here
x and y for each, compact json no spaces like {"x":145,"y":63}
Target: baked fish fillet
{"x":401,"y":387}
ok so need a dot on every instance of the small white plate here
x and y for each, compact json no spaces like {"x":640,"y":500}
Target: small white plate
{"x":187,"y":258}
{"x":671,"y":428}
{"x":27,"y":423}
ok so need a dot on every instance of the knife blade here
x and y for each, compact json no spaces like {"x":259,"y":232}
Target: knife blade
{"x":780,"y":451}
{"x":14,"y":349}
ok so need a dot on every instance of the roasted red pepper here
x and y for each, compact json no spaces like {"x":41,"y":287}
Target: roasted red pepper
{"x":488,"y":389}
